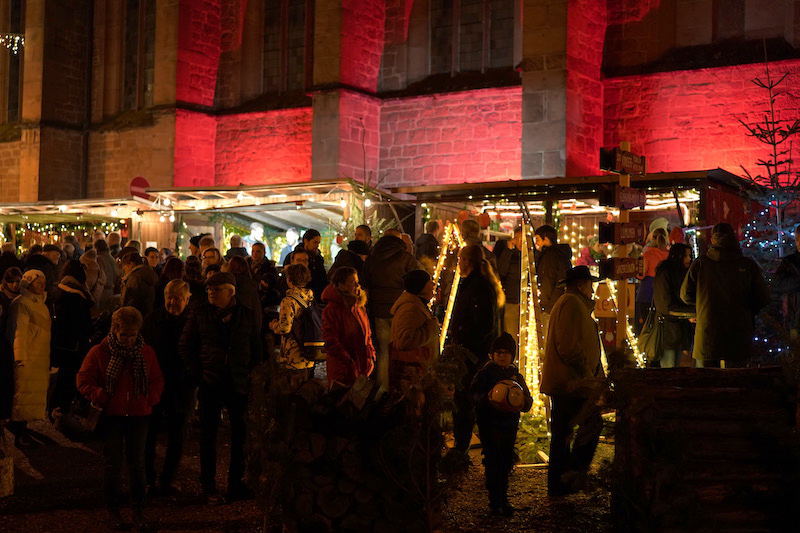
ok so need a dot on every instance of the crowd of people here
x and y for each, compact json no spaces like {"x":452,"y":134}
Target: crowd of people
{"x":151,"y":339}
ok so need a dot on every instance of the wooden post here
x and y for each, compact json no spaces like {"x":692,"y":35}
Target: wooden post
{"x":622,"y":286}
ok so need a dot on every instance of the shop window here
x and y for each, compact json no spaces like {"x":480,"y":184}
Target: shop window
{"x":139,"y":54}
{"x":471,"y":35}
{"x":12,"y":89}
{"x":286,"y":53}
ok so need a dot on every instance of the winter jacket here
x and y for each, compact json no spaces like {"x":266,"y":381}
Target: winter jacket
{"x":8,"y":260}
{"x":29,"y":331}
{"x":91,"y":383}
{"x":414,"y":328}
{"x":247,"y":295}
{"x":6,"y":360}
{"x":572,"y":354}
{"x":653,"y":256}
{"x":43,"y":264}
{"x":316,"y":264}
{"x":475,"y":320}
{"x":728,"y":290}
{"x":240,"y":251}
{"x":484,"y":381}
{"x":139,"y":289}
{"x":787,"y":282}
{"x":384,"y":269}
{"x":72,"y":324}
{"x":220,"y":346}
{"x":296,"y":300}
{"x":346,"y":258}
{"x":109,"y":267}
{"x":676,"y":329}
{"x":162,"y":331}
{"x":509,"y":270}
{"x":269,"y":291}
{"x":427,"y":246}
{"x":95,"y":281}
{"x":551,"y":267}
{"x":348,"y":338}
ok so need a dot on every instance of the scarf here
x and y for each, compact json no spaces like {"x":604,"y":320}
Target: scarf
{"x":121,"y":356}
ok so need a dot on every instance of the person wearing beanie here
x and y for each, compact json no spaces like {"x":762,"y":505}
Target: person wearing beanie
{"x":415,"y":331}
{"x":354,"y":257}
{"x":220,"y":345}
{"x":497,"y":423}
{"x":573,"y":378}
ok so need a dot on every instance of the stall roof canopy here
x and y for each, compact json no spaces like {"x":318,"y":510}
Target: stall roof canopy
{"x":565,"y":188}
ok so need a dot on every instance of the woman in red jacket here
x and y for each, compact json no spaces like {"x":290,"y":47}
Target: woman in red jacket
{"x":345,"y":329}
{"x":121,"y":376}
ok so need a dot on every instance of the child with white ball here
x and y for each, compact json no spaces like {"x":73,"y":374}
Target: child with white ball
{"x":500,"y":395}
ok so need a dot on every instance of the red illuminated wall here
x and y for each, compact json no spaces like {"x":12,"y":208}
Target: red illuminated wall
{"x":687,"y":120}
{"x":362,"y":42}
{"x":198,"y":51}
{"x":261,"y":148}
{"x":586,"y":27}
{"x":195,"y":137}
{"x":459,"y":137}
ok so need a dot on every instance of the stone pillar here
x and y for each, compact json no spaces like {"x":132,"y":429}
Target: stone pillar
{"x":348,"y":43}
{"x":544,"y":83}
{"x":33,"y":71}
{"x":166,"y":57}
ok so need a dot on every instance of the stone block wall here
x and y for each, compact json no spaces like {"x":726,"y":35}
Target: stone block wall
{"x":10,"y":153}
{"x":265,"y":147}
{"x":586,"y":28}
{"x":459,"y":137}
{"x":118,"y":156}
{"x":61,"y":163}
{"x":195,"y":143}
{"x":199,"y":48}
{"x":359,"y":136}
{"x":687,"y":120}
{"x":362,"y":34}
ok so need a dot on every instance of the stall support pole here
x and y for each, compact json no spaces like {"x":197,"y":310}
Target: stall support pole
{"x":622,"y":287}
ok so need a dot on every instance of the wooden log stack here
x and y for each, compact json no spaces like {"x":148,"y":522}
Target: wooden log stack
{"x":705,"y":450}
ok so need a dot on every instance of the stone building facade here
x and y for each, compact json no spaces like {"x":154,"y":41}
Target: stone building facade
{"x":392,"y":92}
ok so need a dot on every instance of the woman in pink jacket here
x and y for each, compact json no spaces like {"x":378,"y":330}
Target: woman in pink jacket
{"x":122,"y":377}
{"x":345,"y":329}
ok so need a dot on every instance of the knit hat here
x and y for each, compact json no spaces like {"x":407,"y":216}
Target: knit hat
{"x":221,"y":278}
{"x":504,"y":342}
{"x":415,"y":281}
{"x":358,"y":247}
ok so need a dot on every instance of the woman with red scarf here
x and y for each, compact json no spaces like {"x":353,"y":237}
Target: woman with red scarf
{"x":121,"y":376}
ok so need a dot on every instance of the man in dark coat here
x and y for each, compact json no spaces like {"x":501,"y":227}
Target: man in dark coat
{"x":162,"y":331}
{"x":552,"y":264}
{"x":384,"y":269}
{"x":265,"y":275}
{"x":138,"y":283}
{"x":509,"y":270}
{"x":46,"y":262}
{"x":787,"y":283}
{"x":728,"y":290}
{"x":220,"y":345}
{"x":354,"y":257}
{"x":428,"y":243}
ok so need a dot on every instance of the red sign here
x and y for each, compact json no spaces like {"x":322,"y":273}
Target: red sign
{"x":139,"y":186}
{"x":623,"y":197}
{"x":622,"y":162}
{"x":619,"y":268}
{"x":620,"y":232}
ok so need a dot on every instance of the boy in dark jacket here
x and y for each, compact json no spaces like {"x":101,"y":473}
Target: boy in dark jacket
{"x":497,"y":424}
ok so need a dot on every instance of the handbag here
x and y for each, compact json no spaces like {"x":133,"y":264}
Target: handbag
{"x":651,"y":338}
{"x":81,"y":418}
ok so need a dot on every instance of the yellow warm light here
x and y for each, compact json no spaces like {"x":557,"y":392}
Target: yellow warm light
{"x":451,"y":244}
{"x":530,"y":340}
{"x":630,"y":336}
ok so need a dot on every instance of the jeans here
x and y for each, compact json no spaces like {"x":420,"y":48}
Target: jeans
{"x":383,"y":336}
{"x":212,"y":399}
{"x":125,"y":440}
{"x":568,"y":453}
{"x":173,"y":414}
{"x":497,"y":445}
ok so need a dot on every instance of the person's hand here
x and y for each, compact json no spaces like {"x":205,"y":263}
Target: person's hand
{"x":693,"y":320}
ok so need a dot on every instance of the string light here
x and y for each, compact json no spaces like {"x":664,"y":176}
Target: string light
{"x":13,"y":42}
{"x":630,"y":336}
{"x":530,"y":339}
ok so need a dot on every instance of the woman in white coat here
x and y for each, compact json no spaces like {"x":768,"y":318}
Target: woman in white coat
{"x":29,"y":331}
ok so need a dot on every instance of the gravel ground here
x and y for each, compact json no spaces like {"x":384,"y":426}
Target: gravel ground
{"x":58,"y":490}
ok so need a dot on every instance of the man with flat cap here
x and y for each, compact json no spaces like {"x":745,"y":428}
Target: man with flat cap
{"x":572,"y":376}
{"x":220,"y":345}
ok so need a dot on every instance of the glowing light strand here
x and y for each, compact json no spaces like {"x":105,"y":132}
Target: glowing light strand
{"x":14,"y":42}
{"x":529,"y":331}
{"x":630,"y":336}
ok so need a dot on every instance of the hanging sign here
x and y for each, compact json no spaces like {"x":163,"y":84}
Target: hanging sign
{"x":620,"y":232}
{"x":622,"y":197}
{"x":619,"y":268}
{"x":621,"y":162}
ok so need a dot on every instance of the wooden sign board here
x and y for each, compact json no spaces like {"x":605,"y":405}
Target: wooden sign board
{"x":620,"y":232}
{"x":622,"y":197}
{"x":622,"y":162}
{"x":619,"y":268}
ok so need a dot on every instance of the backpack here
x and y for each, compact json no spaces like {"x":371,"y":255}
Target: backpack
{"x":307,"y":330}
